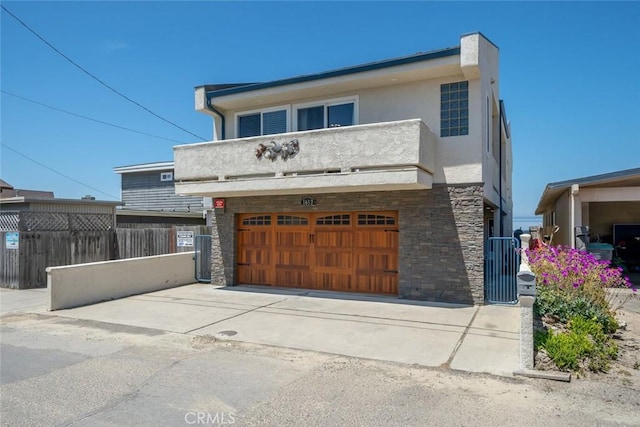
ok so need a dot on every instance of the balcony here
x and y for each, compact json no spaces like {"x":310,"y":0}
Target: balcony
{"x":373,"y":157}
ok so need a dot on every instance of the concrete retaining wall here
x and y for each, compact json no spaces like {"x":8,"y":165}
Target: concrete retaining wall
{"x":82,"y":284}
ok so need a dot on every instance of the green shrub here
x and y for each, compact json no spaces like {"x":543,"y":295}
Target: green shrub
{"x":540,"y":338}
{"x":583,"y":344}
{"x":553,"y":302}
{"x":567,"y":350}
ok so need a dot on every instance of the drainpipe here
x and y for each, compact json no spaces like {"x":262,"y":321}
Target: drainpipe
{"x":500,"y":171}
{"x":211,"y":108}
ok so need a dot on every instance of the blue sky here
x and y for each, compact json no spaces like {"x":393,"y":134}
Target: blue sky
{"x":569,"y":77}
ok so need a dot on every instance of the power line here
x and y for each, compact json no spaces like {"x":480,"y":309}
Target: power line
{"x":55,"y":171}
{"x":96,"y":78}
{"x":88,"y":118}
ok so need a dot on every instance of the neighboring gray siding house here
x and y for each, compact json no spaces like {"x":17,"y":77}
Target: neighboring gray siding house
{"x":148,"y":194}
{"x":384,"y":177}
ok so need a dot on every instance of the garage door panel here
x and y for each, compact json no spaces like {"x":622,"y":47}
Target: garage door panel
{"x":371,"y":239}
{"x":328,"y":260}
{"x":292,"y":239}
{"x":332,"y":281}
{"x":379,"y":283}
{"x":370,"y":263}
{"x":255,"y":238}
{"x":334,"y":239}
{"x":253,"y":276}
{"x":297,"y":278}
{"x":376,"y":254}
{"x":292,"y":248}
{"x":254,"y":256}
{"x":292,"y":259}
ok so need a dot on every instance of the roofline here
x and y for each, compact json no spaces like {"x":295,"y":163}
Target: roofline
{"x":220,"y":86}
{"x":141,"y":212}
{"x":594,"y":179}
{"x":387,"y":63}
{"x":144,"y":167}
{"x":482,"y":35}
{"x":21,"y":199}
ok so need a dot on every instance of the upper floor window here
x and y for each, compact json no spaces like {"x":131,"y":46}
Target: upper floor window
{"x":265,"y":122}
{"x":454,"y":109}
{"x":166,"y":176}
{"x":325,"y":114}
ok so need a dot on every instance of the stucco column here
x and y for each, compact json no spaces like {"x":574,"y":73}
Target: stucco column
{"x":524,"y":245}
{"x":526,"y":332}
{"x":526,"y":310}
{"x":217,"y":264}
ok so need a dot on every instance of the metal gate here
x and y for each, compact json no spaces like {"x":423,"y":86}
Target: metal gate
{"x":203,"y":258}
{"x":502,"y":261}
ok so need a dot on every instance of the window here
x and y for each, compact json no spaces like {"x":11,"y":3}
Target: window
{"x":372,"y":219}
{"x":266,"y":122}
{"x":488,"y":115}
{"x":292,"y":220}
{"x":344,"y":219}
{"x":326,"y":114}
{"x":257,"y":220}
{"x":454,"y":109}
{"x":166,"y":176}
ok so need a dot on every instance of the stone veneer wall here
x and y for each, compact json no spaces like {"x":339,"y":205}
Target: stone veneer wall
{"x":441,"y":236}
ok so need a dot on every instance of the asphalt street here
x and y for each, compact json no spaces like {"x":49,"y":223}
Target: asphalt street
{"x":61,"y":371}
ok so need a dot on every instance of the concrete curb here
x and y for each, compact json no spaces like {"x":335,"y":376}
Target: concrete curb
{"x":545,"y":375}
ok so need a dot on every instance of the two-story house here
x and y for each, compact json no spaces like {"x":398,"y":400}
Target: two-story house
{"x":384,"y":178}
{"x":149,"y":197}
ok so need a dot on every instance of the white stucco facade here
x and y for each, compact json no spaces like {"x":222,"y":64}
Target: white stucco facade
{"x":398,"y":91}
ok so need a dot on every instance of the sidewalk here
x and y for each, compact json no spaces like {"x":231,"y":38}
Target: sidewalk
{"x":22,"y":300}
{"x":477,"y":339}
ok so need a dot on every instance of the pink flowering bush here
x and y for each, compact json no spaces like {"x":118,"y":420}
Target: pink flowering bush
{"x":574,"y":283}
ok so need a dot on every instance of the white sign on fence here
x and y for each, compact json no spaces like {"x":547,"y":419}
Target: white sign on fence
{"x":11,"y":240}
{"x":185,"y":238}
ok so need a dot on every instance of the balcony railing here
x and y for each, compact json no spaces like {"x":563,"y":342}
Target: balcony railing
{"x":371,"y":157}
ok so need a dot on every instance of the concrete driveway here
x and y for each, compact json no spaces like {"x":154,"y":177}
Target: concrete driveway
{"x":23,"y":300}
{"x":478,"y":339}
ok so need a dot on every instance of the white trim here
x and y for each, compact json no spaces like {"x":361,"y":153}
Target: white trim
{"x":166,"y":176}
{"x":489,"y":124}
{"x":146,"y":167}
{"x":355,"y":99}
{"x":285,"y":107}
{"x":609,"y":194}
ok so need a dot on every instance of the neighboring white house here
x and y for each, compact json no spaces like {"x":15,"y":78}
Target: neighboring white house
{"x":606,"y":206}
{"x":385,"y":177}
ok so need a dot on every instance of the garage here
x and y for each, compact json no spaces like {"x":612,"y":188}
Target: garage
{"x":337,"y":251}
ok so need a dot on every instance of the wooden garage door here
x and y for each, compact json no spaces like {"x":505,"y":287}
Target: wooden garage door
{"x":340,"y":251}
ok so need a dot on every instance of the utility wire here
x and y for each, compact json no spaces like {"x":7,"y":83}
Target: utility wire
{"x":96,"y":78}
{"x":55,"y":171}
{"x":88,"y":118}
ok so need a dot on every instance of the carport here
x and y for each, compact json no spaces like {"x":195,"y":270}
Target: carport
{"x":601,"y":208}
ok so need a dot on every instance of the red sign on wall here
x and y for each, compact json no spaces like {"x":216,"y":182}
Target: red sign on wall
{"x":218,"y":203}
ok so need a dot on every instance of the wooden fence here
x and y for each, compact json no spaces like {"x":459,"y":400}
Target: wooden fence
{"x":137,"y":242}
{"x":25,"y":266}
